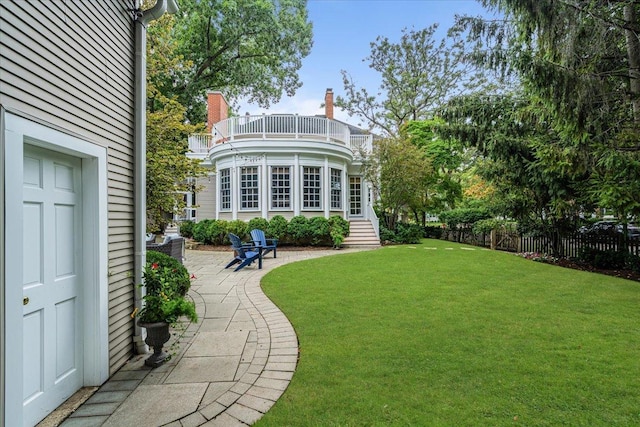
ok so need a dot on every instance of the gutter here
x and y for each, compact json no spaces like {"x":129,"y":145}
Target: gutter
{"x":142,"y":18}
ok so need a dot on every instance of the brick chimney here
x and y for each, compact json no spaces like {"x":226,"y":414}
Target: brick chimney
{"x":328,"y":103}
{"x":217,"y":108}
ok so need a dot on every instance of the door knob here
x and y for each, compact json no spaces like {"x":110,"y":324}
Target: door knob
{"x":25,"y":300}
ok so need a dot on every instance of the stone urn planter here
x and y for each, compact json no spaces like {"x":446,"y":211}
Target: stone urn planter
{"x":157,"y":335}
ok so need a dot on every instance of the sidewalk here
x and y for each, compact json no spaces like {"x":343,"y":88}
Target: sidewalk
{"x":230,"y":367}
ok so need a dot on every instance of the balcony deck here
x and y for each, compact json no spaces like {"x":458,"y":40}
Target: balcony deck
{"x":281,"y":127}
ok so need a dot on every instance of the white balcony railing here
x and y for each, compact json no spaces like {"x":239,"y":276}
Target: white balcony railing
{"x":200,"y":143}
{"x":280,"y":127}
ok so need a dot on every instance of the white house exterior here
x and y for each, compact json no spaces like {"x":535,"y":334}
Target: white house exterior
{"x":69,"y":122}
{"x":288,"y":165}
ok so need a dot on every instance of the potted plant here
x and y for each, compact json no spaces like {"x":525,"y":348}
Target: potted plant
{"x":166,"y":283}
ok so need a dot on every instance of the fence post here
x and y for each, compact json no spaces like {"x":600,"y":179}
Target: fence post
{"x":493,"y":240}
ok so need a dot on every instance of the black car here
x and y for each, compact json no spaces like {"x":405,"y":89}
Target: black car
{"x":610,"y":228}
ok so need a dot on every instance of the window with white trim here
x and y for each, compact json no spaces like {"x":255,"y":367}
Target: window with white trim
{"x":311,"y":187}
{"x":336,"y":189}
{"x":280,"y":187}
{"x":225,"y":189}
{"x":249,"y":188}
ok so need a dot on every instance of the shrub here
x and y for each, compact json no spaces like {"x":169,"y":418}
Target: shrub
{"x":176,"y":273}
{"x":200,"y":231}
{"x":186,"y":228}
{"x":277,"y":228}
{"x":605,"y":259}
{"x":217,"y":231}
{"x":609,"y":259}
{"x":408,"y":233}
{"x":463,"y":216}
{"x":319,"y":231}
{"x":298,"y":230}
{"x":237,"y":227}
{"x":484,"y":226}
{"x":433,"y":231}
{"x":387,"y":235}
{"x":338,"y":230}
{"x":259,"y":223}
{"x":633,"y":262}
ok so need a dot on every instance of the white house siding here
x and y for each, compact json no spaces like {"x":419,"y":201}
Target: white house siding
{"x":227,"y":216}
{"x":286,"y":214}
{"x":69,"y":65}
{"x":247,"y":216}
{"x":206,"y":198}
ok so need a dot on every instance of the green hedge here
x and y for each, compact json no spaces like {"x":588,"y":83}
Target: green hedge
{"x":301,"y":231}
{"x":463,"y":216}
{"x":405,"y":233}
{"x":186,"y":228}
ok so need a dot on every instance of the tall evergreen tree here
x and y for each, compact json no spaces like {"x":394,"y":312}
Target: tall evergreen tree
{"x":579,"y":61}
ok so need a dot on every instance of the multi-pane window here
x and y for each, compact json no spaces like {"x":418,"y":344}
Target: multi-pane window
{"x":249,"y":188}
{"x":311,"y":190}
{"x":225,"y":189}
{"x":336,"y":189}
{"x":280,"y":187}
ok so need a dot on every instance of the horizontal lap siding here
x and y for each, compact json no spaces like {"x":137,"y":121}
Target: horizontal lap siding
{"x":286,"y":214}
{"x":206,"y":198}
{"x":246,"y":216}
{"x":70,"y":64}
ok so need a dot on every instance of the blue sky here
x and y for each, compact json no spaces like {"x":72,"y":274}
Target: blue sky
{"x":342,"y":33}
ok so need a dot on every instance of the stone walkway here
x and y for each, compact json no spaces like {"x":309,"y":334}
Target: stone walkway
{"x":229,"y":368}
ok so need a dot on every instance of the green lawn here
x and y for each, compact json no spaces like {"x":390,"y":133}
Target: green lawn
{"x":441,"y":334}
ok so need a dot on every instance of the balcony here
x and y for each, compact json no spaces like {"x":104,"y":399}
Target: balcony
{"x":281,"y":127}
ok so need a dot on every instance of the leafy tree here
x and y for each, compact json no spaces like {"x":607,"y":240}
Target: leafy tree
{"x":476,"y":191}
{"x":581,"y":57}
{"x":165,"y":65}
{"x":418,"y":75}
{"x":251,"y":48}
{"x":167,"y":164}
{"x":516,"y":146}
{"x":579,"y":60}
{"x":400,"y":175}
{"x":167,"y":131}
{"x":442,"y":187}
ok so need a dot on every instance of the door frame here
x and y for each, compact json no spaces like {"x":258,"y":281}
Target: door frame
{"x":362,"y":197}
{"x":14,"y":134}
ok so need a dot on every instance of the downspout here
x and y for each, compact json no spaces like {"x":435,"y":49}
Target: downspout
{"x":142,"y":19}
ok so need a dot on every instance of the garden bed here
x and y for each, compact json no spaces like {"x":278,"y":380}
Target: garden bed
{"x":625,"y":274}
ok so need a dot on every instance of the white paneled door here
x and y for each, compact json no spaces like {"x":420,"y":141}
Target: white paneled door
{"x":51,"y":285}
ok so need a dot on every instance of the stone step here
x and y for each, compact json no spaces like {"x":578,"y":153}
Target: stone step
{"x":361,"y":234}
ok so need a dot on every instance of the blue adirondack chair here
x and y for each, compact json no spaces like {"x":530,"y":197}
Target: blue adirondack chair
{"x":261,"y":241}
{"x":244,"y":254}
